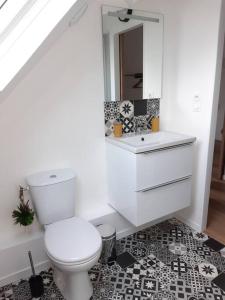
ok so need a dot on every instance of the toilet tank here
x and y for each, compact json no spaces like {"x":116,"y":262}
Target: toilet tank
{"x":53,"y":195}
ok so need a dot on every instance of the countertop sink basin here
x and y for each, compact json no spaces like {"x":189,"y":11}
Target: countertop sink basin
{"x":140,"y":143}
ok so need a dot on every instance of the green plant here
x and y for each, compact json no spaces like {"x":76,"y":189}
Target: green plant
{"x":23,"y":215}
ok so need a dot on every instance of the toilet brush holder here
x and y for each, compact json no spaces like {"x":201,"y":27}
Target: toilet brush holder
{"x":35,"y":281}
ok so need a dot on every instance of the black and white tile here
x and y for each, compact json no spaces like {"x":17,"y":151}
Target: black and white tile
{"x":130,"y":114}
{"x":199,"y":236}
{"x":178,"y":248}
{"x":111,"y":110}
{"x":153,"y":107}
{"x":207,"y":270}
{"x":126,"y":109}
{"x":109,"y":127}
{"x":181,"y":289}
{"x":179,"y":266}
{"x":213,"y":244}
{"x":165,"y":261}
{"x":127,"y":124}
{"x":192,"y":259}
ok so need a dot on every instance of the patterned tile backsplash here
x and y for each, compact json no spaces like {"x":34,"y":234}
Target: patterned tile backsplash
{"x":131,"y":114}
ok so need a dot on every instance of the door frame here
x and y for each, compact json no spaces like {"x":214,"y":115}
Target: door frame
{"x":216,"y":95}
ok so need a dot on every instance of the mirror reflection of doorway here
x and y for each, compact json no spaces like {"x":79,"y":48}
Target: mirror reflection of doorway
{"x":131,"y":64}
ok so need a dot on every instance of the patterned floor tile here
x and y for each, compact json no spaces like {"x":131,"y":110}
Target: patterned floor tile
{"x":200,"y":236}
{"x":190,"y":242}
{"x":166,"y":261}
{"x":126,"y":244}
{"x":165,"y":256}
{"x":181,"y":289}
{"x":116,"y":296}
{"x":47,"y":277}
{"x":218,"y":261}
{"x":95,"y":273}
{"x":213,"y":244}
{"x":137,"y":271}
{"x":148,"y":286}
{"x":153,"y":246}
{"x":139,"y":251}
{"x":178,"y":248}
{"x":176,"y":233}
{"x":133,"y":293}
{"x":104,"y":291}
{"x":6,"y":293}
{"x":52,"y":293}
{"x":192,"y":259}
{"x":125,"y":259}
{"x":212,"y":292}
{"x":151,"y":262}
{"x":203,"y":251}
{"x":195,"y":280}
{"x":163,"y":295}
{"x":120,"y":281}
{"x":22,"y":291}
{"x":164,"y":275}
{"x":196,"y":297}
{"x":207,"y":270}
{"x":179,"y":266}
{"x":220,"y":281}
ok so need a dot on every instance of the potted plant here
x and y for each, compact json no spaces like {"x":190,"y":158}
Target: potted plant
{"x":23,"y":215}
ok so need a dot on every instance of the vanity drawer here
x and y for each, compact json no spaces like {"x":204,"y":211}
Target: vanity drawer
{"x":159,"y":202}
{"x":163,"y":166}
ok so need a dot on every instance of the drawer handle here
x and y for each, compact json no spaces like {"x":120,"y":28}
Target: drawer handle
{"x":166,"y":148}
{"x":164,"y":184}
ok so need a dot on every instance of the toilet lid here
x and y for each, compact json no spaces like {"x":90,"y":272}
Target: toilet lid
{"x":72,"y":240}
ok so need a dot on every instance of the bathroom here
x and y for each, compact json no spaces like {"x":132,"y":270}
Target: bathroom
{"x":52,"y":117}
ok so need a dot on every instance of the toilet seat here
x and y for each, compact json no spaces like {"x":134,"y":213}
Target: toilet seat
{"x":72,"y":241}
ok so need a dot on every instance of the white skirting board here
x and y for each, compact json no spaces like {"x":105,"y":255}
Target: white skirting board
{"x":14,"y":261}
{"x":188,"y":222}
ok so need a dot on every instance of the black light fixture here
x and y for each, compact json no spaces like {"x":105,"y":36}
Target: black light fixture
{"x":129,"y":12}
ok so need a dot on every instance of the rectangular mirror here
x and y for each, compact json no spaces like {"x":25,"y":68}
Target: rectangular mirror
{"x":133,"y":54}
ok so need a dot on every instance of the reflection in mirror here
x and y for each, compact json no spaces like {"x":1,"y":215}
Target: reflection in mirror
{"x":132,"y":45}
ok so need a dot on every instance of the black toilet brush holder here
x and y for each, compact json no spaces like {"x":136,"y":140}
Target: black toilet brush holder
{"x":35,"y":281}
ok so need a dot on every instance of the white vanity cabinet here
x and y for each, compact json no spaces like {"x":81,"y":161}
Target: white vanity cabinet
{"x":148,"y":185}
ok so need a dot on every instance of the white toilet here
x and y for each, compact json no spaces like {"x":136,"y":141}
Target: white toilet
{"x":72,"y":244}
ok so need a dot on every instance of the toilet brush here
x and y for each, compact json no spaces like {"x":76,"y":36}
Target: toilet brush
{"x":35,"y":281}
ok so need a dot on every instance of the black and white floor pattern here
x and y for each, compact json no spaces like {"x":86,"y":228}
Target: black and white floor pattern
{"x":166,"y":261}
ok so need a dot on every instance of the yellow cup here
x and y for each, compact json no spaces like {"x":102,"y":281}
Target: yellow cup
{"x":155,"y":124}
{"x":117,"y":130}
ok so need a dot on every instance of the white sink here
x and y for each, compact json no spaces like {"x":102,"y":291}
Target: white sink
{"x":150,"y":141}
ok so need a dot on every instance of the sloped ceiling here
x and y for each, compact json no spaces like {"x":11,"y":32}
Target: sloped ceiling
{"x":36,"y":33}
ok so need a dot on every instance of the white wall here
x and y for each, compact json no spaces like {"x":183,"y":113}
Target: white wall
{"x":190,"y":61}
{"x":54,"y":115}
{"x":195,"y":75}
{"x":54,"y":118}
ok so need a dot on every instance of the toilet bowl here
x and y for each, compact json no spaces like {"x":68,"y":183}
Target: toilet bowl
{"x":74,"y":247}
{"x":72,"y":244}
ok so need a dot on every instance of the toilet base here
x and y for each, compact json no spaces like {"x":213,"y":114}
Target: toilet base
{"x":74,"y":286}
